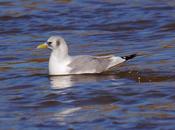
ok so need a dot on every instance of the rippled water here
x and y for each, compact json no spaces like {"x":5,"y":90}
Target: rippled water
{"x":139,"y":94}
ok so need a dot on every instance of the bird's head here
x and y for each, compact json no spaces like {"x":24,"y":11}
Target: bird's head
{"x":54,"y":43}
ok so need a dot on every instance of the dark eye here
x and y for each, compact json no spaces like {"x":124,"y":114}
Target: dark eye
{"x":49,"y":43}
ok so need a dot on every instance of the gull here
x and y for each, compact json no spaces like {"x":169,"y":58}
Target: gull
{"x":61,"y":63}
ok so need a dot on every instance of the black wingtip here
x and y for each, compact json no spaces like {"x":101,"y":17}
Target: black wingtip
{"x":129,"y":56}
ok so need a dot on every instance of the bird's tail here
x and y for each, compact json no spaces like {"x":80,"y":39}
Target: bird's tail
{"x":129,"y":57}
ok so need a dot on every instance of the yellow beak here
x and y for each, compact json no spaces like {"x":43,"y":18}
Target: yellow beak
{"x":42,"y":46}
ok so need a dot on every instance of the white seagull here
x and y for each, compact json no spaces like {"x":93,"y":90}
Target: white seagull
{"x":61,"y":63}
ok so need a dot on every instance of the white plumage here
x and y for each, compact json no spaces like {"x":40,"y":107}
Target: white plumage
{"x":61,"y":63}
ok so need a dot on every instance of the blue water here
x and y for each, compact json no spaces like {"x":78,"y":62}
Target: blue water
{"x":138,"y":95}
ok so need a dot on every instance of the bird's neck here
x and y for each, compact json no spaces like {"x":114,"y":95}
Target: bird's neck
{"x":59,"y":54}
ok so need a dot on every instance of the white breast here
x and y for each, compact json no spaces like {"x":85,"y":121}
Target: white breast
{"x":58,"y":66}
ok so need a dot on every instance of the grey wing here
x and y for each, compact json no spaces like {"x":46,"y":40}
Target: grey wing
{"x":89,"y":64}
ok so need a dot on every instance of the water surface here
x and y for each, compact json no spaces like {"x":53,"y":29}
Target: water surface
{"x":138,"y":95}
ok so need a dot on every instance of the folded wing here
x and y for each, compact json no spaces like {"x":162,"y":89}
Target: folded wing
{"x":93,"y":64}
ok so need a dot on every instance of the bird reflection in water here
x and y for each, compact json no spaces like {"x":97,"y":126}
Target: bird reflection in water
{"x":60,"y":82}
{"x":82,"y":112}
